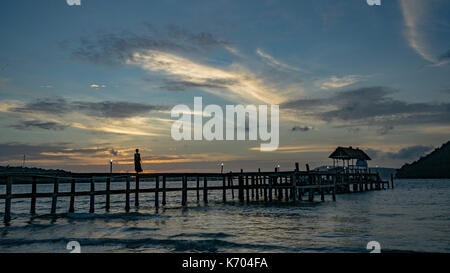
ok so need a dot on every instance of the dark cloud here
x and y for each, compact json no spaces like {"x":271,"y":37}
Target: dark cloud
{"x":114,"y":152}
{"x":106,"y":109}
{"x":408,"y":153}
{"x":175,"y":85}
{"x":109,"y":109}
{"x":54,"y":106}
{"x":46,"y":125}
{"x":115,"y":48}
{"x":445,"y":56}
{"x":15,"y":151}
{"x":301,"y":129}
{"x":371,"y":106}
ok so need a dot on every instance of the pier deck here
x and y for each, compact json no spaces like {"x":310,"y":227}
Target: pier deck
{"x":287,"y":186}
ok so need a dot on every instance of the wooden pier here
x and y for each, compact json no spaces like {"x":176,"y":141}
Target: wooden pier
{"x":287,"y":186}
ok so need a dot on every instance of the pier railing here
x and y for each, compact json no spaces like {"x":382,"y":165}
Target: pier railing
{"x":289,"y":186}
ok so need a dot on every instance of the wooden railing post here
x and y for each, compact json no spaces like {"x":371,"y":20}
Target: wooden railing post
{"x":108,"y":189}
{"x":294,"y":188}
{"x":253,"y":186}
{"x":241,"y":186}
{"x":164,"y":191}
{"x":7,"y":216}
{"x":224,"y":188}
{"x":334,"y":188}
{"x":127,"y":194}
{"x":270,"y":188}
{"x":33,"y":196}
{"x":72,"y":196}
{"x":247,"y":192}
{"x":184,"y":192}
{"x":198,"y":188}
{"x":205,"y":189}
{"x":157,"y":192}
{"x":92,"y":197}
{"x":136,"y":194}
{"x":54,"y":196}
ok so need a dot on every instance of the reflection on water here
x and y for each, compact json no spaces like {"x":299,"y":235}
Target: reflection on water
{"x":415,"y":216}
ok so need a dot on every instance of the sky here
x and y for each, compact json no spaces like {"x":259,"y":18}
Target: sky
{"x":83,"y":84}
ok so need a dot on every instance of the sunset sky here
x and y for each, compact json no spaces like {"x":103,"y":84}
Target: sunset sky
{"x":80,"y":85}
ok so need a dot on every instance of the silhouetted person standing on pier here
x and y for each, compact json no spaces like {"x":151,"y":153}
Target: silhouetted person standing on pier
{"x":137,"y":162}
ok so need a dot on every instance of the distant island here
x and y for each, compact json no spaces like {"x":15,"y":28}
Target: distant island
{"x":434,"y":165}
{"x":9,"y":169}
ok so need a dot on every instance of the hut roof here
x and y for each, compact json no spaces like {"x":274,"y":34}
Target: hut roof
{"x":349,"y":153}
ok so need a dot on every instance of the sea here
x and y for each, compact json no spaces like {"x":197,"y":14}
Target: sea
{"x":412,"y":217}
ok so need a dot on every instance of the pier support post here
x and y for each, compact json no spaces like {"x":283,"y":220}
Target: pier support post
{"x":184,"y":191}
{"x":253,"y":186}
{"x":92,"y":197}
{"x":7,"y":216}
{"x":311,"y":195}
{"x":265,"y":188}
{"x":157,"y":192}
{"x":108,"y":189}
{"x":334,"y":188}
{"x":205,"y":189}
{"x":127,"y":194}
{"x":241,"y":186}
{"x":54,"y":196}
{"x":72,"y":196}
{"x":270,"y":188}
{"x":294,"y":188}
{"x":198,"y":188}
{"x":232,"y":185}
{"x":392,"y":181}
{"x":33,"y":196}
{"x":322,"y":195}
{"x":224,"y":188}
{"x":136,"y":194}
{"x":247,"y":189}
{"x":258,"y":186}
{"x":164,"y":191}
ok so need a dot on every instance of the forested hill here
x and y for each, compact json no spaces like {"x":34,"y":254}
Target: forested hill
{"x":25,"y":170}
{"x":434,"y":165}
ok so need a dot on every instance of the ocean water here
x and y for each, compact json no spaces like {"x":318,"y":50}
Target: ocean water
{"x":413,"y":217}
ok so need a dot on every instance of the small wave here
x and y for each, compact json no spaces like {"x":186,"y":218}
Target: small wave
{"x":213,"y":245}
{"x":203,"y":235}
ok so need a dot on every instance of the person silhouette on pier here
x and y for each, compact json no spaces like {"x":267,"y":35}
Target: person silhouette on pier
{"x":137,"y":162}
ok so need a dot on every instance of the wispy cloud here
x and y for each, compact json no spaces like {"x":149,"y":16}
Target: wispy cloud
{"x":236,"y":83}
{"x":109,"y":117}
{"x":416,"y":14}
{"x":336,"y":82}
{"x":270,"y":60}
{"x":94,"y":85}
